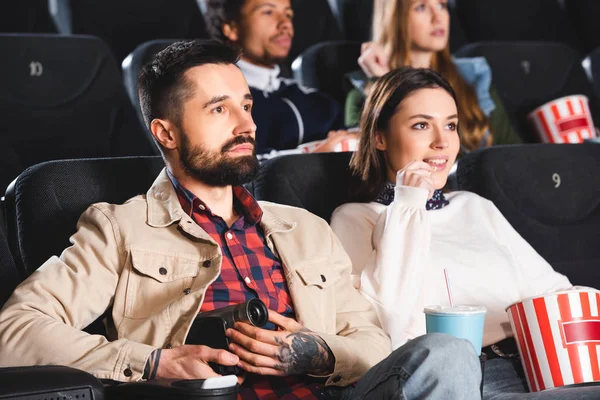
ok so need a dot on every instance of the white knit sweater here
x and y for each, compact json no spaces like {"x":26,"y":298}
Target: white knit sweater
{"x":399,"y":253}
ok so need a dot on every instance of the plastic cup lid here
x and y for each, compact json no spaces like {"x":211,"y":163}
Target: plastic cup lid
{"x":461,"y":309}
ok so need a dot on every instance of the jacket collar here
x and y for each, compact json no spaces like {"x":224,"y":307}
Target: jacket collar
{"x":164,"y":209}
{"x":261,"y":78}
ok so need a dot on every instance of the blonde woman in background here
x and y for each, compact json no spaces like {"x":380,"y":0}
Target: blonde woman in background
{"x":415,"y":33}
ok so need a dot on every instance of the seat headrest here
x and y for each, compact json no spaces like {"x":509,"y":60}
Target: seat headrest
{"x":552,"y":184}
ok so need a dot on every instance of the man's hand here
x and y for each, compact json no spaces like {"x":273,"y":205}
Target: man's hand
{"x":292,"y":350}
{"x":187,"y":362}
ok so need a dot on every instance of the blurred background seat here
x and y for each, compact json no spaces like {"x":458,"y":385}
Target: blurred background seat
{"x":530,"y":74}
{"x":133,"y":64}
{"x":313,"y":23}
{"x":510,"y":20}
{"x":31,"y":16}
{"x":324,"y":66}
{"x":584,"y":16}
{"x":125,"y":24}
{"x":62,"y":97}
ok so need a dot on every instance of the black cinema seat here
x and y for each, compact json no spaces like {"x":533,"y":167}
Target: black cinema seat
{"x":62,"y":97}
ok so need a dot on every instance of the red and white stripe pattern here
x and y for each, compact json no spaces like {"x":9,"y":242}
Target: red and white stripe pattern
{"x":564,"y":120}
{"x":346,"y":145}
{"x":558,"y":336}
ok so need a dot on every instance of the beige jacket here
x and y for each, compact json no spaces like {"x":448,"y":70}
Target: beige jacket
{"x":114,"y":262}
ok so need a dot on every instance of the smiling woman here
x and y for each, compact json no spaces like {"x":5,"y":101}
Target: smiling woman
{"x":410,"y":232}
{"x":411,"y":124}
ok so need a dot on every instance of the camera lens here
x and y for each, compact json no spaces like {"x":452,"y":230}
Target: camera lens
{"x":257,"y":312}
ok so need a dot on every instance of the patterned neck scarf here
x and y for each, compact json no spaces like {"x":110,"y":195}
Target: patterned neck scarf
{"x":386,"y":196}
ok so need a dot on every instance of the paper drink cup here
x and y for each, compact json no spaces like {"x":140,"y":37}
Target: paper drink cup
{"x":558,"y":337}
{"x":564,"y":120}
{"x":461,"y":321}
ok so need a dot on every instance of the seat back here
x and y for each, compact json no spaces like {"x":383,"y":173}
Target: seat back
{"x":318,"y":182}
{"x":63,"y":97}
{"x":356,"y":18}
{"x":8,"y":271}
{"x":313,"y":23}
{"x":584,"y":15}
{"x":530,"y":74}
{"x":324,"y":66}
{"x":550,"y":193}
{"x":511,"y":20}
{"x":593,"y":62}
{"x":133,"y":64}
{"x":44,"y":203}
{"x":25,"y":16}
{"x":125,"y":24}
{"x":48,"y":382}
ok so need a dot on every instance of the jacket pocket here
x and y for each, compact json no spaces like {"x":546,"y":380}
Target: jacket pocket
{"x":315,"y":288}
{"x":156,"y":280}
{"x":319,"y":274}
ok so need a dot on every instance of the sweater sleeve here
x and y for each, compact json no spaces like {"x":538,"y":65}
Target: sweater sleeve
{"x":533,"y":273}
{"x":393,"y":279}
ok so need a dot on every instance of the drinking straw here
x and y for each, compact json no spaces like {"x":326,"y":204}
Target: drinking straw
{"x":448,"y":288}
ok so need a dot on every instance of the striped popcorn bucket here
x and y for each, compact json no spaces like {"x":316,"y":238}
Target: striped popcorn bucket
{"x":564,"y":120}
{"x":558,"y":337}
{"x":349,"y":144}
{"x":346,"y":145}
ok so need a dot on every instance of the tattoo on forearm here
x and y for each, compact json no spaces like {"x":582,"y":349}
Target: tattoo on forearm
{"x":305,"y":352}
{"x":152,"y":365}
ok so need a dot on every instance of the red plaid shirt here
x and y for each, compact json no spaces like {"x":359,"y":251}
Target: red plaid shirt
{"x":249,"y":269}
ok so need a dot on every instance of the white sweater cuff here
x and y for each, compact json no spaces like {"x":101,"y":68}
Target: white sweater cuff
{"x":409,"y":196}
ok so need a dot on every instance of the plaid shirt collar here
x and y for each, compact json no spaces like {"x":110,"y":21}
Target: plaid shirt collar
{"x":243,"y":202}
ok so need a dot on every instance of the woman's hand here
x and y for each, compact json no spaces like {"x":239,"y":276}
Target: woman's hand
{"x":416,"y":174}
{"x":373,"y":60}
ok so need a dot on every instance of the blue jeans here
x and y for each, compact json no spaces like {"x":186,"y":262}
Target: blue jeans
{"x":504,"y":379}
{"x":433,"y":366}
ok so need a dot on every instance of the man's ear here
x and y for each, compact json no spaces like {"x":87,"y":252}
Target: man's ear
{"x":231,"y":31}
{"x":162,"y":130}
{"x":380,"y":142}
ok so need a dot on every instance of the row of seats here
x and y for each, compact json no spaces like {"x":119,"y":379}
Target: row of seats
{"x":573,"y":22}
{"x":85,"y":106}
{"x":525,"y":74}
{"x":549,"y":193}
{"x":125,"y":24}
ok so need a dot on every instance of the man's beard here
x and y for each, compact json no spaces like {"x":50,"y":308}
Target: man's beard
{"x":216,"y":168}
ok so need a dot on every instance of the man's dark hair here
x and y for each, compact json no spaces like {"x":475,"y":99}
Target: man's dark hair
{"x":162,"y":84}
{"x":219,"y":12}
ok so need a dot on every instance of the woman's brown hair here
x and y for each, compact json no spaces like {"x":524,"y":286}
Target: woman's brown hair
{"x":368,"y":163}
{"x":390,"y":30}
